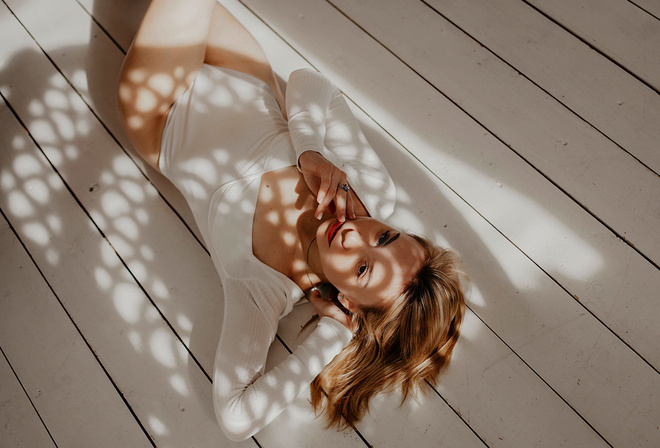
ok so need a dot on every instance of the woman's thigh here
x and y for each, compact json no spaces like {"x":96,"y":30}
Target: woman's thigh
{"x":164,"y":58}
{"x":232,"y":46}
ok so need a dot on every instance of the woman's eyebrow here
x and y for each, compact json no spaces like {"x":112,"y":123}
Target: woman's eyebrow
{"x":392,"y":239}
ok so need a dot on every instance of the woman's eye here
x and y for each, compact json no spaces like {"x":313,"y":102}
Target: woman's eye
{"x":362,"y":269}
{"x":383,"y":238}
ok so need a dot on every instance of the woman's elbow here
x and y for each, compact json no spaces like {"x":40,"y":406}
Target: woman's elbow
{"x":235,"y":426}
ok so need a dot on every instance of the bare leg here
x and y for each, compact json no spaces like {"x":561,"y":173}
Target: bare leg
{"x":163,"y":60}
{"x":230,"y":45}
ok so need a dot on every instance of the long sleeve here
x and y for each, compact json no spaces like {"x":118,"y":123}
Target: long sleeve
{"x":245,"y":397}
{"x":320,"y":120}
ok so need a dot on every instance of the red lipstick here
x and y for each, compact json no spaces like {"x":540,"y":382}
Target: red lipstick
{"x":332,"y":230}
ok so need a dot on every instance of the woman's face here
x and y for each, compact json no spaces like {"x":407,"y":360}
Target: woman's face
{"x":368,"y":261}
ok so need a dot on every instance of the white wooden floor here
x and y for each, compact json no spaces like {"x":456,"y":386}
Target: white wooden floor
{"x":523,"y":133}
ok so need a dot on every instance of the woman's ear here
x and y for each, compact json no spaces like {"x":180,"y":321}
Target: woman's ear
{"x":348,"y":304}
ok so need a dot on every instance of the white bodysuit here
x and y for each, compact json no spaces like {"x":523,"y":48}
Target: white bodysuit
{"x":221,"y":136}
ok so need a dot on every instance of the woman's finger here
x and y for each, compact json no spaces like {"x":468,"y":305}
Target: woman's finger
{"x":322,"y":195}
{"x":350,"y":206}
{"x":328,"y":191}
{"x":340,"y":203}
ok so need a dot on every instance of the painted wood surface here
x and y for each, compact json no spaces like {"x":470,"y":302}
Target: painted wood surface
{"x":58,"y":371}
{"x":19,"y":422}
{"x":596,"y":89}
{"x":559,"y":346}
{"x":619,"y":29}
{"x":489,"y":94}
{"x":112,"y":182}
{"x":650,"y":6}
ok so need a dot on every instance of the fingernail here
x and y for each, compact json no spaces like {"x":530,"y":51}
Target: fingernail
{"x":319,"y":216}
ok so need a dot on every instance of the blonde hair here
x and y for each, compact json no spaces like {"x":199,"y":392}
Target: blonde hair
{"x":405,"y":345}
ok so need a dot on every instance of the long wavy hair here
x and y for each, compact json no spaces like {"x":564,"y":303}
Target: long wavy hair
{"x":406,"y":345}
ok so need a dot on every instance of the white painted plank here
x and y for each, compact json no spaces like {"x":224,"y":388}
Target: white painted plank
{"x":19,"y":422}
{"x":652,"y":7}
{"x":55,"y":366}
{"x":91,"y":62}
{"x":170,"y":395}
{"x":120,"y":18}
{"x":151,"y":368}
{"x":596,"y":89}
{"x":326,"y":437}
{"x":286,"y":421}
{"x":565,"y":242}
{"x":502,"y":102}
{"x":324,"y":47}
{"x":299,"y":409}
{"x":392,"y":433}
{"x":617,"y":28}
{"x":125,"y":206}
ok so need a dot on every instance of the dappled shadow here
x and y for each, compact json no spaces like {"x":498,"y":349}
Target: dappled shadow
{"x":130,"y":328}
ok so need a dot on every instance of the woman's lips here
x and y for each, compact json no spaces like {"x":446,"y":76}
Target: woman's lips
{"x":332,"y":230}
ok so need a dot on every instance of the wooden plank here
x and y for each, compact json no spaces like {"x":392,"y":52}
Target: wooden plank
{"x":124,"y":205}
{"x":288,"y":58}
{"x":574,"y":249}
{"x":140,"y":352}
{"x":120,"y":19}
{"x":390,"y":431}
{"x":606,"y":96}
{"x":501,"y":101}
{"x":19,"y":422}
{"x":652,"y":7}
{"x":57,"y":369}
{"x":573,"y":155}
{"x":618,"y":28}
{"x":323,"y":40}
{"x":387,"y":425}
{"x":91,"y":62}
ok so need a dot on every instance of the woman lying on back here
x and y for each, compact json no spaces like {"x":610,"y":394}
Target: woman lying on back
{"x":291,"y":202}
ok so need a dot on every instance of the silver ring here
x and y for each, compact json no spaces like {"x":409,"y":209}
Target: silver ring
{"x":344,"y":187}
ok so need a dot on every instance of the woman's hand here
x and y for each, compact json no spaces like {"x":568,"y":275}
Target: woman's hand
{"x":326,"y":308}
{"x":324,"y":180}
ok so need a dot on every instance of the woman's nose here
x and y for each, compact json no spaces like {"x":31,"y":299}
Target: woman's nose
{"x":352,"y":239}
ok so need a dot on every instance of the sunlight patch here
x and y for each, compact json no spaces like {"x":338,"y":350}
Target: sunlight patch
{"x":7,"y":180}
{"x":38,"y":191}
{"x":64,"y":125}
{"x":127,"y":227}
{"x":157,"y":426}
{"x":131,"y":189}
{"x":37,"y":232}
{"x":161,"y":348}
{"x":159,"y":289}
{"x":184,"y":322}
{"x":19,"y":205}
{"x":36,"y":108}
{"x":179,"y":384}
{"x":136,"y":340}
{"x":103,"y":278}
{"x":55,"y":99}
{"x":26,"y":165}
{"x":128,"y":302}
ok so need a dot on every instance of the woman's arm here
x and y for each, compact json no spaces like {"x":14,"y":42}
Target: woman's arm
{"x":245,"y":398}
{"x":320,"y":120}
